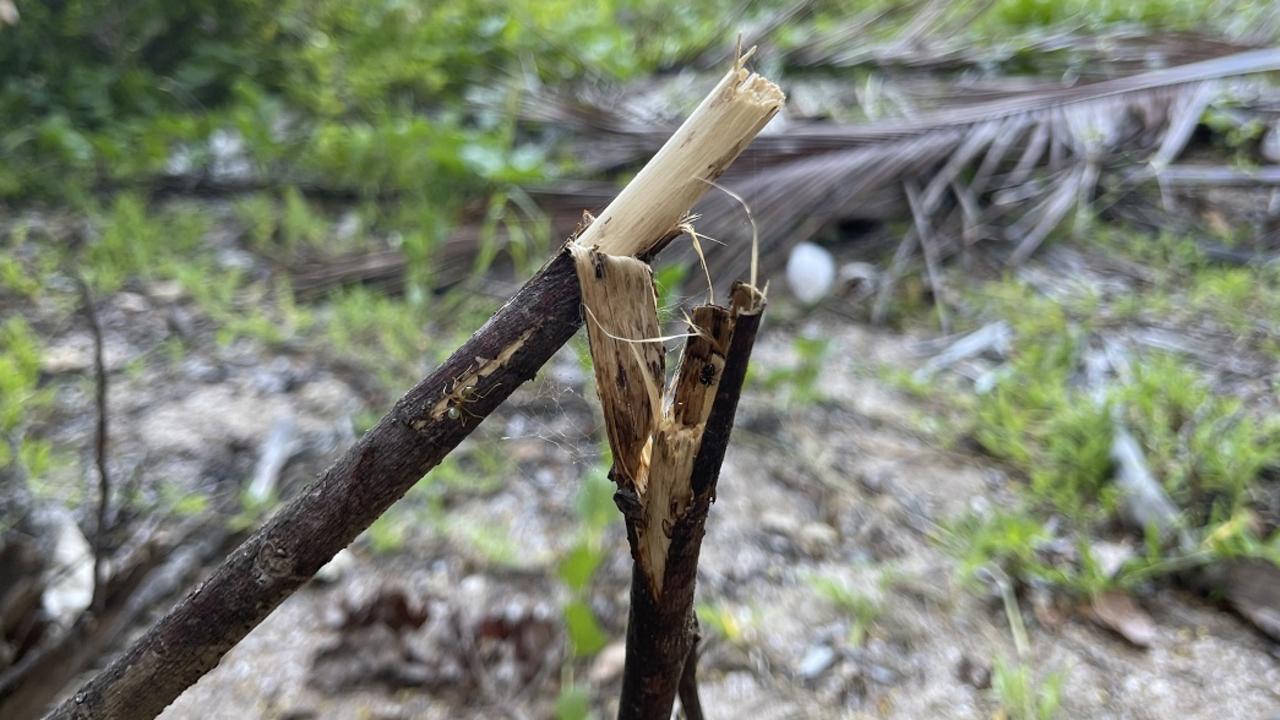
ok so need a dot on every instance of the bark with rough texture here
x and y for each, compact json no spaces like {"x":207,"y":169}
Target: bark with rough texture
{"x":690,"y":701}
{"x":422,"y":427}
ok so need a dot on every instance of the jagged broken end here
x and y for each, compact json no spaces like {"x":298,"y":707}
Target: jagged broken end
{"x":660,"y":196}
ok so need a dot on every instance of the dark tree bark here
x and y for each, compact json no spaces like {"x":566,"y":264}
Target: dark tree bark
{"x":98,"y":603}
{"x":690,"y":701}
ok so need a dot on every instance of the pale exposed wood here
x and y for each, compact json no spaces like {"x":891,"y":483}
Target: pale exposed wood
{"x":665,"y":466}
{"x":653,"y":453}
{"x":678,"y":438}
{"x":621,"y":314}
{"x":660,"y":195}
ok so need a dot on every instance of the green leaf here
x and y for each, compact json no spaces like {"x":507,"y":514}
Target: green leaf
{"x":585,"y":633}
{"x":573,"y":704}
{"x":595,"y":499}
{"x":579,"y":565}
{"x":191,"y":505}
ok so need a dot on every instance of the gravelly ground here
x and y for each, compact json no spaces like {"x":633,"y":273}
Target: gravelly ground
{"x":849,"y":488}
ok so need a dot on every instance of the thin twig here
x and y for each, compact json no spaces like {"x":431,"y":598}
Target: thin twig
{"x":930,"y":254}
{"x":690,"y":702}
{"x":897,"y":268}
{"x":100,"y":448}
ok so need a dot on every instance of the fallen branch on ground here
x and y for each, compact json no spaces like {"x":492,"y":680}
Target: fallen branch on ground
{"x":425,"y":424}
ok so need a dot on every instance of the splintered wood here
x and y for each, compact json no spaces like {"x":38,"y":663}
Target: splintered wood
{"x":620,"y":312}
{"x":655,"y":447}
{"x":654,"y":444}
{"x":655,"y":202}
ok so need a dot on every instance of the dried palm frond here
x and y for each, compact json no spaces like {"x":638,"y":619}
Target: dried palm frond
{"x":1010,"y":169}
{"x":1124,"y":50}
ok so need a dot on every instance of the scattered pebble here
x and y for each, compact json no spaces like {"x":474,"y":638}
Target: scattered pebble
{"x":65,"y":358}
{"x":875,"y":481}
{"x":608,"y":663}
{"x":1270,"y":146}
{"x":779,"y":523}
{"x":975,"y":673}
{"x":818,"y":539}
{"x":881,"y":675}
{"x":817,"y":660}
{"x":166,"y":292}
{"x":200,"y":369}
{"x":131,"y":302}
{"x":335,"y":569}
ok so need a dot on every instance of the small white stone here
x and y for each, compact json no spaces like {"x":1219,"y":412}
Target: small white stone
{"x":811,"y":273}
{"x":333,"y":571}
{"x":1270,"y":147}
{"x":70,"y":590}
{"x":608,"y":663}
{"x":816,"y":538}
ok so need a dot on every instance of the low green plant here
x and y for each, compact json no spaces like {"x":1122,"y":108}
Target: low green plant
{"x":491,"y":541}
{"x":299,"y":224}
{"x":388,"y":533}
{"x":1203,"y":446}
{"x":577,"y":567}
{"x":573,"y":703}
{"x":16,"y":278}
{"x":801,"y":379}
{"x":20,"y":354}
{"x":1206,"y":449}
{"x":1037,"y":419}
{"x":723,"y":621}
{"x":384,"y":334}
{"x":1023,"y":696}
{"x":259,"y":218}
{"x":138,"y":241}
{"x":862,"y":609}
{"x":1008,"y":539}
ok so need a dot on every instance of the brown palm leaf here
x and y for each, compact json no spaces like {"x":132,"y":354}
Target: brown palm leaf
{"x":1010,"y":169}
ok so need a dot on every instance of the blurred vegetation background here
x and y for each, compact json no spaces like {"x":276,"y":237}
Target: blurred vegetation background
{"x":140,"y":135}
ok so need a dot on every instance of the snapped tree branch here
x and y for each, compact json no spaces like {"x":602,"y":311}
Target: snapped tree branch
{"x":424,"y":425}
{"x":667,"y":456}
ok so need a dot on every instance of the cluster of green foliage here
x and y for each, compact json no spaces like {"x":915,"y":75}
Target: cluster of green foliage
{"x":596,"y":512}
{"x":1022,"y":695}
{"x":1206,"y":449}
{"x":577,"y":568}
{"x":374,"y":95}
{"x":381,"y":95}
{"x":21,"y":398}
{"x":800,"y":379}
